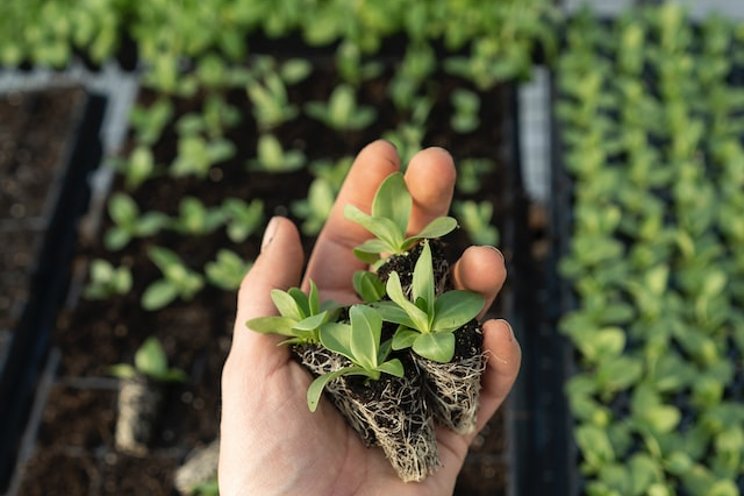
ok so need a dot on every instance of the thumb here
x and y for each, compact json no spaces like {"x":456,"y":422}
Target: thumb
{"x":279,"y":266}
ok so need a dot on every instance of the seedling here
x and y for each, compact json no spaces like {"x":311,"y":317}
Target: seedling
{"x":409,"y":135}
{"x":470,"y":174}
{"x":107,"y":281}
{"x":466,"y":104}
{"x":360,"y":343}
{"x":148,"y":122}
{"x":195,"y":219}
{"x":129,"y":223}
{"x":149,"y":361}
{"x":178,"y":281}
{"x":426,"y":322}
{"x":342,"y":112}
{"x":242,"y":218}
{"x":316,"y":207}
{"x":301,"y":316}
{"x":333,"y":172}
{"x":197,"y":155}
{"x":391,"y":210}
{"x":227,"y":270}
{"x":476,"y":219}
{"x":138,"y":167}
{"x":368,"y":286}
{"x":271,"y":106}
{"x":273,"y":158}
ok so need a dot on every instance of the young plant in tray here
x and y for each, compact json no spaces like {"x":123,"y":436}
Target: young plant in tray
{"x":476,"y":219}
{"x":195,"y":219}
{"x":242,"y":218}
{"x":107,"y":281}
{"x":342,"y":112}
{"x":272,"y":157}
{"x":141,"y":395}
{"x":129,"y":222}
{"x":178,"y":282}
{"x":227,"y":270}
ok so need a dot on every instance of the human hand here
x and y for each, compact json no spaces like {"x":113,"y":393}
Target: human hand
{"x":270,"y":442}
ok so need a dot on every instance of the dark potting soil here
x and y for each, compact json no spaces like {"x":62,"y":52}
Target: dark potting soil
{"x":196,"y":335}
{"x":35,"y":135}
{"x":404,"y":264}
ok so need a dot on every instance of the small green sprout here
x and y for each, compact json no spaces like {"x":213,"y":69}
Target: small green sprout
{"x":391,"y":209}
{"x":316,"y":208}
{"x":148,"y":122}
{"x":129,"y":223}
{"x":197,"y":155}
{"x":427,"y":322}
{"x":342,"y":112}
{"x":368,"y":286}
{"x":360,"y":343}
{"x":107,"y":280}
{"x":149,"y":361}
{"x":466,"y":104}
{"x":138,"y":167}
{"x":178,"y":280}
{"x":300,"y":317}
{"x":242,"y":218}
{"x":195,"y":219}
{"x":470,"y":172}
{"x":271,"y":106}
{"x":476,"y":219}
{"x":332,"y":171}
{"x":271,"y":156}
{"x":227,"y":270}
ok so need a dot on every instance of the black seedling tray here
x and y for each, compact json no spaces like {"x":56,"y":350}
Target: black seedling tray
{"x":29,"y":341}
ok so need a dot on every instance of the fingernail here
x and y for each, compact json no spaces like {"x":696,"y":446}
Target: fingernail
{"x":511,"y":330}
{"x":269,"y":233}
{"x":497,"y":251}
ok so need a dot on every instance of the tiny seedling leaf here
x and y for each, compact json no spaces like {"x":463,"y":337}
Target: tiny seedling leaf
{"x":312,"y":322}
{"x":391,"y":312}
{"x":395,"y":292}
{"x":337,"y":338}
{"x":286,"y":304}
{"x":393,"y":201}
{"x":423,"y":280}
{"x":150,"y":358}
{"x":454,"y":309}
{"x":317,"y":386}
{"x":435,"y":229}
{"x":366,"y":325}
{"x":313,"y":299}
{"x":301,"y":299}
{"x":159,"y":294}
{"x":370,"y":250}
{"x":438,"y":347}
{"x":368,"y":286}
{"x":393,"y":367}
{"x":404,"y":338}
{"x":272,"y":325}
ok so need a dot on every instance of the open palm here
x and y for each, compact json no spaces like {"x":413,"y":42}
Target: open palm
{"x":270,"y":442}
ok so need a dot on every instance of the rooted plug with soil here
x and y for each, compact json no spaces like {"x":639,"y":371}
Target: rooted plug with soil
{"x":388,"y":222}
{"x":446,"y":341}
{"x":378,"y":394}
{"x":141,"y":396}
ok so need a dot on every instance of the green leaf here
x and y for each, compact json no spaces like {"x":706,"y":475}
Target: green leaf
{"x":317,"y":386}
{"x":123,"y":371}
{"x":116,"y":238}
{"x":393,"y":201}
{"x":311,"y":323}
{"x":337,"y":338}
{"x":122,"y":209}
{"x":368,"y":286}
{"x":423,"y":280}
{"x":435,"y":229}
{"x":382,"y":228}
{"x":313,"y":299}
{"x":404,"y":338}
{"x":369,"y":251}
{"x":454,"y":309}
{"x":438,"y":347}
{"x":366,"y":325}
{"x":418,"y":318}
{"x":150,"y":358}
{"x":391,"y":312}
{"x":272,"y":325}
{"x":301,"y":299}
{"x":286,"y":305}
{"x":393,"y":367}
{"x":159,"y":294}
{"x":163,"y":258}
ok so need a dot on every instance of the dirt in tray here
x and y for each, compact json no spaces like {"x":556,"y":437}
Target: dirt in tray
{"x":196,"y":335}
{"x":35,"y":136}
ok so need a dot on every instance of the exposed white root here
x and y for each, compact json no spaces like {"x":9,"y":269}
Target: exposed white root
{"x":453,"y":389}
{"x":396,"y":418}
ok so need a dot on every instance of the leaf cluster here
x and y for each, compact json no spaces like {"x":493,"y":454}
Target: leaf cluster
{"x":149,"y":361}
